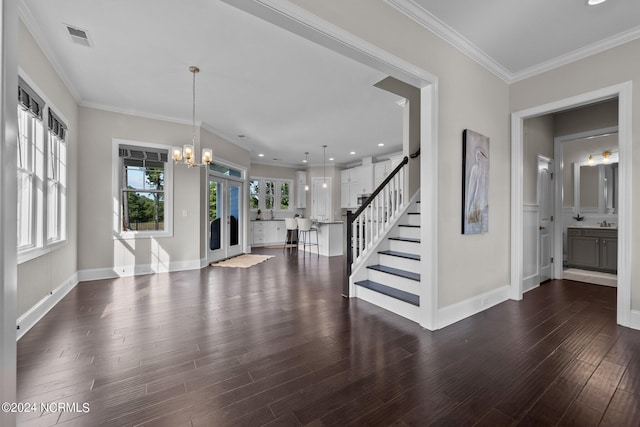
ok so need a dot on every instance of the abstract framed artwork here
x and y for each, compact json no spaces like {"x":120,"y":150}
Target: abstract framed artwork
{"x":475,"y":183}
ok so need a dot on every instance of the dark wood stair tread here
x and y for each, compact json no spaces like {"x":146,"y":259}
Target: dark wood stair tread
{"x":395,"y":271}
{"x":401,"y":254}
{"x":390,"y":292}
{"x":409,"y":225}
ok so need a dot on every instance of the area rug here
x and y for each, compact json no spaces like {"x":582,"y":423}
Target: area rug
{"x":242,"y":261}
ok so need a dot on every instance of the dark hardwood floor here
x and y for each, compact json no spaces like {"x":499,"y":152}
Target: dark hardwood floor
{"x":275,"y":344}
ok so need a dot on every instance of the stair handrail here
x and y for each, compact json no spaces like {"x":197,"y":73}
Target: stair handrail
{"x":352,"y":217}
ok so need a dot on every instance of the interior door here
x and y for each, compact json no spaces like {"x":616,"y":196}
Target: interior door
{"x":545,"y":228}
{"x":225,"y":222}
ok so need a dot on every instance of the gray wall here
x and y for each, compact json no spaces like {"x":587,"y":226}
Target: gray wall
{"x":538,"y":140}
{"x":38,"y":277}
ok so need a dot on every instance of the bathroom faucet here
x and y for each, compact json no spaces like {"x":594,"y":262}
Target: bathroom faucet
{"x":604,"y":223}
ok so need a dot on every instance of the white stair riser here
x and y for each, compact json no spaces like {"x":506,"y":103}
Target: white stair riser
{"x":413,"y":232}
{"x":413,"y":219}
{"x":401,"y":263}
{"x":394,"y":281}
{"x":408,"y":247}
{"x":393,"y":305}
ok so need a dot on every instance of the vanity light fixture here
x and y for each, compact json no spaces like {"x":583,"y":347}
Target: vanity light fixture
{"x":187,"y":152}
{"x":605,"y":156}
{"x":590,"y":160}
{"x":324,"y":166}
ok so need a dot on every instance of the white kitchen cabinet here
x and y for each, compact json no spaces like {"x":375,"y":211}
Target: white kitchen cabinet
{"x":355,"y":182}
{"x":301,"y":193}
{"x":380,"y":172}
{"x":267,"y":232}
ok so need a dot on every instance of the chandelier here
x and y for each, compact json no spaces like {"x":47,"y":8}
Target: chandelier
{"x":187,"y":152}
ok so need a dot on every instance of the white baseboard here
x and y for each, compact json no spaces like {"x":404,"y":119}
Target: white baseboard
{"x":137,"y":270}
{"x":37,"y":312}
{"x":634,"y":319}
{"x":531,"y":282}
{"x":463,"y":309}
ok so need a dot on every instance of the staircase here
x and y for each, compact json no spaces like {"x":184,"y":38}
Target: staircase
{"x":390,"y":276}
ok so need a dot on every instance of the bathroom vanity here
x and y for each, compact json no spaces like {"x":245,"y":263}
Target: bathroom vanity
{"x":593,"y":248}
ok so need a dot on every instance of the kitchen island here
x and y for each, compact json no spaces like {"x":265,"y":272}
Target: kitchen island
{"x":330,"y":238}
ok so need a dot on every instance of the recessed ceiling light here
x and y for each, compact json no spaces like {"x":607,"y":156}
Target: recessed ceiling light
{"x":242,"y":136}
{"x":381,"y":144}
{"x":260,"y":155}
{"x":304,"y":161}
{"x":352,"y":153}
{"x":331,"y":159}
{"x":595,"y":2}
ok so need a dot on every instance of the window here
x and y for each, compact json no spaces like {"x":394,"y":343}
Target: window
{"x":42,"y":176}
{"x":143,"y":190}
{"x":270,"y":194}
{"x":254,"y":194}
{"x":56,"y":179}
{"x":284,"y":195}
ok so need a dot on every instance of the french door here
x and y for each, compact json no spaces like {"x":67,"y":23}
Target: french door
{"x":225,"y":218}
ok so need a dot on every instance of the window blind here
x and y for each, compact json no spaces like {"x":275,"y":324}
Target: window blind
{"x":143,"y":153}
{"x":28,"y":99}
{"x":56,"y":126}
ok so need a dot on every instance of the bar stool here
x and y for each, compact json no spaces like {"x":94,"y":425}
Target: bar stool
{"x":291,"y":237}
{"x":305,"y":230}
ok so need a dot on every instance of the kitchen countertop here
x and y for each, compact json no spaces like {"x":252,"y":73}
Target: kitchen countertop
{"x":615,"y":227}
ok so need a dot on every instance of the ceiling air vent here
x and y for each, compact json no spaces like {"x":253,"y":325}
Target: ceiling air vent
{"x":78,"y":36}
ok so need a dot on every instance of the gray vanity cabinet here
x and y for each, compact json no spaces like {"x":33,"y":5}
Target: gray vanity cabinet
{"x":592,"y":248}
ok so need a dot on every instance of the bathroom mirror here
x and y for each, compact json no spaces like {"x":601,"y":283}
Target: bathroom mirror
{"x":596,"y":188}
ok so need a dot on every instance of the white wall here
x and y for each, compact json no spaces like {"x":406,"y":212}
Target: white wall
{"x":39,"y":277}
{"x":469,"y":97}
{"x":605,"y":69}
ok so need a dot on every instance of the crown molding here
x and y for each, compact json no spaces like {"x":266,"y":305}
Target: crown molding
{"x":29,"y":21}
{"x":135,"y":113}
{"x":299,"y":21}
{"x":578,"y":54}
{"x":449,"y":35}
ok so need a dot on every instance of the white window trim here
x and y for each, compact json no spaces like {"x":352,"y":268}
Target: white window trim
{"x":277,"y":198}
{"x":41,"y":245}
{"x":118,"y":234}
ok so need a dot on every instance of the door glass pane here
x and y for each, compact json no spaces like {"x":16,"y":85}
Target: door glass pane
{"x":234,"y":214}
{"x":215,"y":207}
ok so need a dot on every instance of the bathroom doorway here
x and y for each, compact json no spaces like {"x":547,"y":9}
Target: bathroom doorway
{"x":621,"y":95}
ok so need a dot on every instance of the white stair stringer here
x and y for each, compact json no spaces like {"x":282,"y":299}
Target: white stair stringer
{"x":389,"y":276}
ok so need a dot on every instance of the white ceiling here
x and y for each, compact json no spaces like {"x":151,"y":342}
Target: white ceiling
{"x":516,"y":39}
{"x":287,"y":94}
